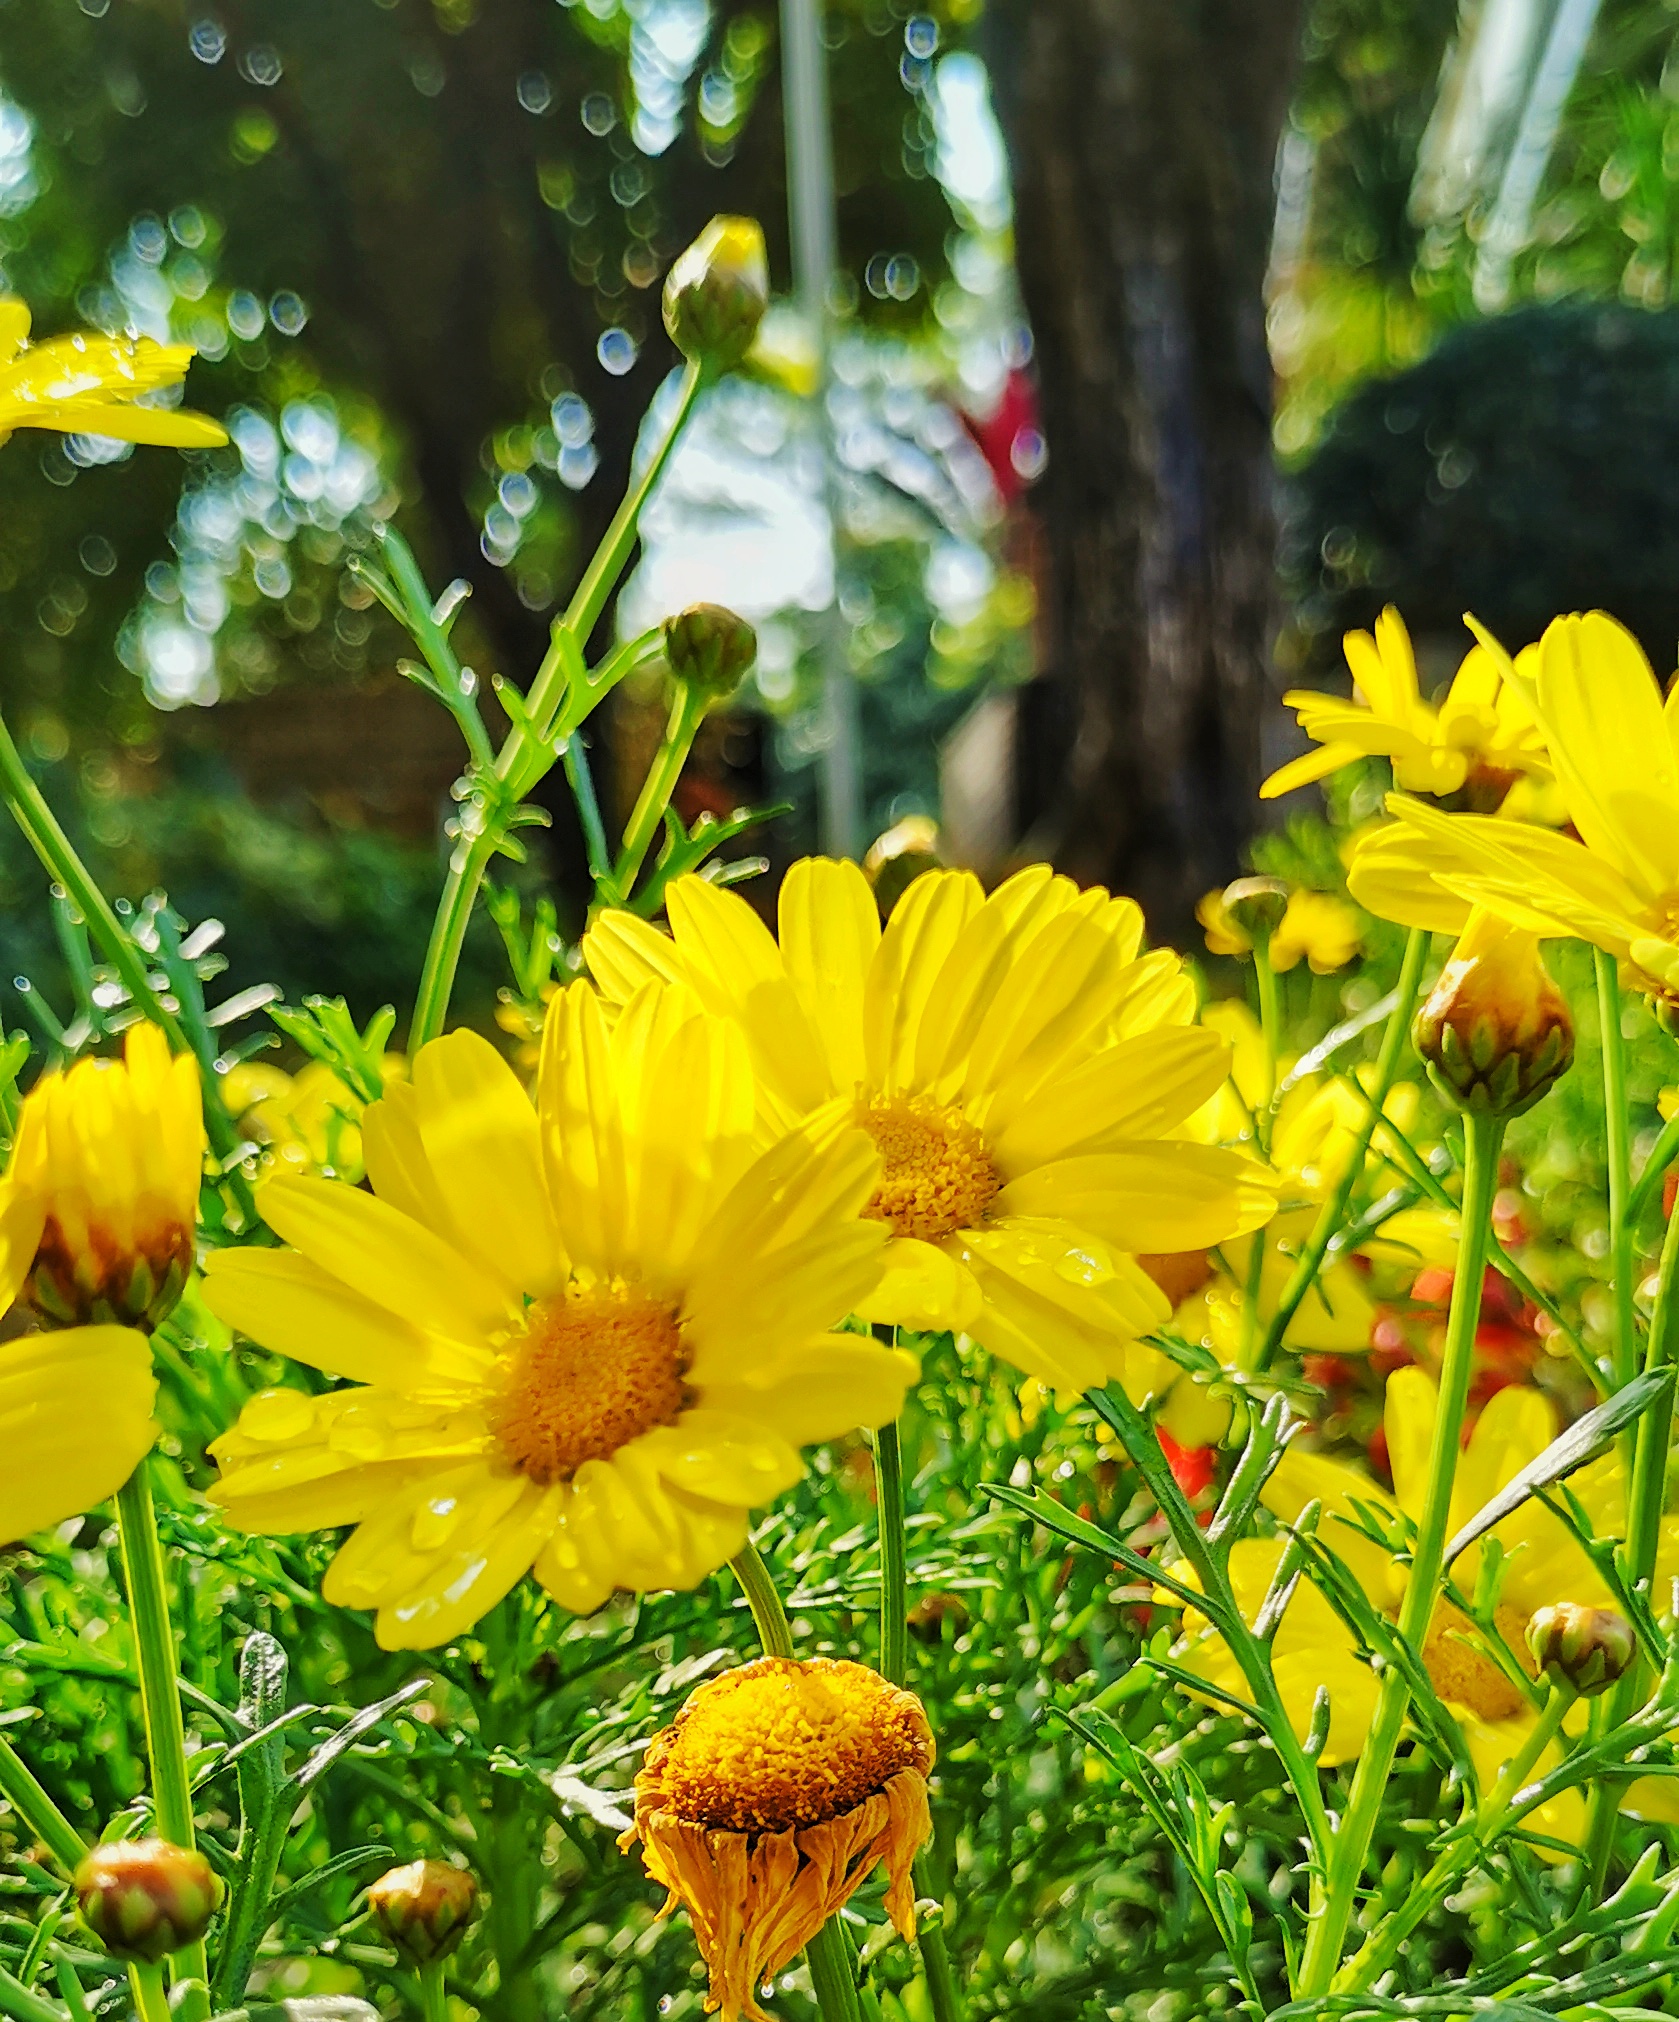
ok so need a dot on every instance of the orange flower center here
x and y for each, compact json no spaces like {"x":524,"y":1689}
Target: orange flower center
{"x":780,"y":1744}
{"x":938,"y":1174}
{"x":1466,"y":1675}
{"x":592,"y":1371}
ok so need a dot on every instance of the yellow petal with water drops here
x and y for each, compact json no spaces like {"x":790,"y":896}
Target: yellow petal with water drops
{"x":161,"y":427}
{"x":1149,"y":1196}
{"x":624,"y":954}
{"x":345,"y":1495}
{"x":75,"y":1422}
{"x":1071,"y":1269}
{"x":922,"y":1286}
{"x":465,"y":1580}
{"x":571,"y":1564}
{"x":381,"y":1554}
{"x":291,"y":1305}
{"x":22,"y":1217}
{"x":1308,"y":768}
{"x":636,"y":1519}
{"x":1515,"y":1427}
{"x":14,"y":327}
{"x":485,"y":1151}
{"x":827,"y":1389}
{"x":830,"y":929}
{"x":1413,"y":1405}
{"x":905,"y":977}
{"x":736,"y":967}
{"x":381,"y":1253}
{"x":583,"y":1143}
{"x":1045,"y":1327}
{"x":723,"y":1458}
{"x":1142,"y":1087}
{"x":1602,"y":715}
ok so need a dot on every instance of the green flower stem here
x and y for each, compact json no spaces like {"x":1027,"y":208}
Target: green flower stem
{"x":1351,"y":1845}
{"x":1334,"y":1209}
{"x":160,"y":1695}
{"x":687,"y":713}
{"x":23,"y":2004}
{"x":889,"y":1511}
{"x":769,"y":1617}
{"x":1662,"y":1155}
{"x":581,"y":780}
{"x":434,"y":2005}
{"x":37,"y":1810}
{"x":151,"y":2002}
{"x":894,"y":1651}
{"x":829,"y":1961}
{"x":1617,"y":1144}
{"x":1381,"y":1949}
{"x":1271,"y":1028}
{"x":523,"y":760}
{"x":45,"y":836}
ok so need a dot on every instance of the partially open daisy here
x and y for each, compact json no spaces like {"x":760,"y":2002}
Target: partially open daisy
{"x":588,"y":1336}
{"x":1485,"y":1684}
{"x":97,"y":1210}
{"x":776,"y":1792}
{"x":1019,"y":1068}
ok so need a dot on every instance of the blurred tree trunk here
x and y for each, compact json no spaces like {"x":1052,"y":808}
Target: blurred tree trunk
{"x":1143,"y":134}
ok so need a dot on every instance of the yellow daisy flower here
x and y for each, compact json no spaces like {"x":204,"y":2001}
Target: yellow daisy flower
{"x":584,"y":1337}
{"x":1615,"y":884}
{"x":91,"y":385}
{"x":1019,"y":1069}
{"x":1481,"y":733}
{"x":1323,"y":929}
{"x":97,"y":1209}
{"x":1543,"y":1564}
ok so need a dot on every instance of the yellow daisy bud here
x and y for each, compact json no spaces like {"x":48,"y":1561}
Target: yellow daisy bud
{"x":1495,"y":1031}
{"x":144,"y":1898}
{"x":777,"y":1791}
{"x":1589,"y":1647}
{"x":710,"y":649}
{"x":103,"y":1188}
{"x":424,"y":1908}
{"x":1249,"y":910}
{"x":717,"y":292}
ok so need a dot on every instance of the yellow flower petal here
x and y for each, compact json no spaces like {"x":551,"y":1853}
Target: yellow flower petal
{"x":1149,"y":1197}
{"x":830,"y":929}
{"x":22,"y":1216}
{"x":824,"y":1391}
{"x":467,"y":1579}
{"x":624,"y":953}
{"x":1142,"y":1087}
{"x":905,"y":973}
{"x":924,"y":1287}
{"x":60,"y":1461}
{"x":724,"y":1458}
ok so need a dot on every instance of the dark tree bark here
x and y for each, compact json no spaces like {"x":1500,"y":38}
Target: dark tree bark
{"x":1143,"y":134}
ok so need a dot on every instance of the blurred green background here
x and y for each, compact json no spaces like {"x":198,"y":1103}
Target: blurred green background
{"x":1374,"y":291}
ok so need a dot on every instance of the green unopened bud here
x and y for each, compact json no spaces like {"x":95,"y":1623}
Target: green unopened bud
{"x":424,"y":1908}
{"x":897,"y":858}
{"x":1496,"y":1032}
{"x":717,"y":292}
{"x":710,"y":648}
{"x":1588,"y":1647}
{"x":144,"y":1898}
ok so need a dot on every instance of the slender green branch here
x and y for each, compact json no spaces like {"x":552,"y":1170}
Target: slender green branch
{"x":581,"y":780}
{"x":151,"y":2002}
{"x":775,"y":1632}
{"x":23,"y":2004}
{"x":1617,"y":1143}
{"x":1334,"y":1209}
{"x":1328,"y":1931}
{"x":448,"y":935}
{"x":434,"y":2004}
{"x":37,"y":1810}
{"x":687,"y":713}
{"x":1662,"y":1155}
{"x":1271,"y":1027}
{"x":889,"y":1514}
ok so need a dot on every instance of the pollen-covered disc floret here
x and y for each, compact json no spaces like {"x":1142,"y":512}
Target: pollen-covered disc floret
{"x":936,"y":1173}
{"x":593,"y":1370}
{"x":776,"y":1792}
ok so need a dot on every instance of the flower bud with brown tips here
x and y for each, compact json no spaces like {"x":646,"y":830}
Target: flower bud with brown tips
{"x":1495,"y":1031}
{"x":711,"y":649}
{"x":424,"y":1908}
{"x":1589,"y":1648}
{"x":146,"y":1898}
{"x":716,"y":294}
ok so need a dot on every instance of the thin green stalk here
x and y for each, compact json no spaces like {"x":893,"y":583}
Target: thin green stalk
{"x":1334,"y":1209}
{"x":448,"y":935}
{"x":37,"y":1810}
{"x":1617,"y":1144}
{"x":160,"y":1696}
{"x":434,"y":2005}
{"x":769,"y":1617}
{"x":23,"y":2004}
{"x":151,"y":2002}
{"x":1271,"y":1028}
{"x":1662,"y":1155}
{"x":45,"y":835}
{"x":1351,"y":1846}
{"x":889,"y":1513}
{"x":830,"y":1967}
{"x":581,"y":780}
{"x":687,"y":713}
